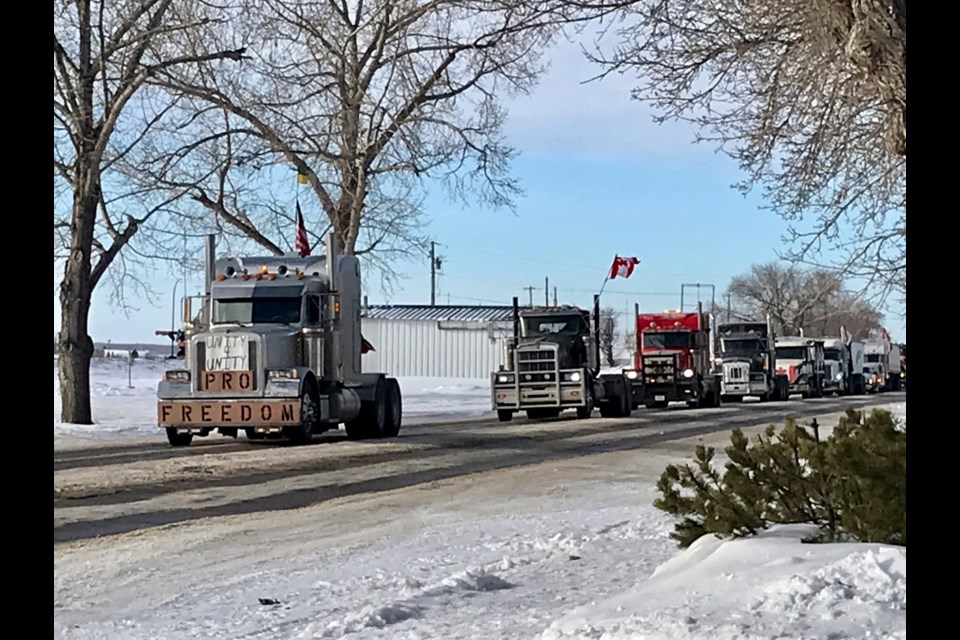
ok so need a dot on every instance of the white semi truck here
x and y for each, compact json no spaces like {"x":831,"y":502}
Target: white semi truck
{"x":844,"y":362}
{"x":882,"y":362}
{"x":276,"y":351}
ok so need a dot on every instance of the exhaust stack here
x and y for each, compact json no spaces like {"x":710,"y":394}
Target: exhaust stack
{"x":332,"y":260}
{"x":210,"y":246}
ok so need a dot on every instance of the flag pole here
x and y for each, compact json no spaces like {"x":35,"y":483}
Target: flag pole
{"x":604,"y":285}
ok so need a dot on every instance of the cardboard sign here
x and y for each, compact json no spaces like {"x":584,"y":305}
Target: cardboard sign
{"x":257,"y":413}
{"x":227,"y":353}
{"x":219,"y":381}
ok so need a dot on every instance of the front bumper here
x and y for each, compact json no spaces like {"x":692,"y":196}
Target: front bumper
{"x":518,"y":394}
{"x":677,"y":392}
{"x":743,"y":388}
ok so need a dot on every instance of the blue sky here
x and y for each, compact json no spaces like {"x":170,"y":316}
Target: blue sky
{"x":600,"y":179}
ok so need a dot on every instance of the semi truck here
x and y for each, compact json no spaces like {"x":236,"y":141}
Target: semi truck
{"x":801,"y":360}
{"x":276,"y":351}
{"x":673,"y":360}
{"x":883,"y":360}
{"x":844,"y":363}
{"x":552,"y":364}
{"x":747,"y":362}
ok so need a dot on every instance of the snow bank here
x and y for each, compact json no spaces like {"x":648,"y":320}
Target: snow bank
{"x":770,"y":585}
{"x":123,"y":397}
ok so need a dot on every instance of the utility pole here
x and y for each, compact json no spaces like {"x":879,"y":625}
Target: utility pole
{"x":433,"y":275}
{"x":546,"y":291}
{"x":530,"y":291}
{"x":555,"y":297}
{"x":435,"y":265}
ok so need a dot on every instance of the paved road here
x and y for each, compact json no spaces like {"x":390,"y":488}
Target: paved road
{"x":114,"y":489}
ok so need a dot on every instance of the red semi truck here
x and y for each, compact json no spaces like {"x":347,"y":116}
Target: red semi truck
{"x":672,"y":361}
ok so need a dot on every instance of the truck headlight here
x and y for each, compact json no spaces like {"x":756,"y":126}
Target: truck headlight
{"x":572,"y":377}
{"x":632,"y":374}
{"x":839,"y":376}
{"x":176,"y":375}
{"x":688,"y":373}
{"x":282,"y":374}
{"x":504,"y":378}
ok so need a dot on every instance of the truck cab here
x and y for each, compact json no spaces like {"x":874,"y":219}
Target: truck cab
{"x":672,"y":361}
{"x":552,"y":364}
{"x":801,"y":360}
{"x":746,"y":362}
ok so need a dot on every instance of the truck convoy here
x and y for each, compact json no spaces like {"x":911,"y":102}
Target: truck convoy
{"x":552,"y":364}
{"x":801,"y":360}
{"x":747,"y":362}
{"x":673,"y":360}
{"x":276,"y":351}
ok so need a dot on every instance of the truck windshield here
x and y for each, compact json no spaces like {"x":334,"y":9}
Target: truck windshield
{"x":791,"y":353}
{"x":666,"y":340}
{"x":873,"y":357}
{"x":831,"y":354}
{"x":742,"y":348}
{"x":257,"y":311}
{"x":551,"y":326}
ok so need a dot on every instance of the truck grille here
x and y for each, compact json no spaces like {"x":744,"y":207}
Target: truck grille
{"x":659,"y":369}
{"x":536,"y":360}
{"x":252,"y":360}
{"x":736,"y":372}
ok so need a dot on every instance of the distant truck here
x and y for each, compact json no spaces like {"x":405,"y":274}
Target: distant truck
{"x":673,"y":360}
{"x":883,"y":360}
{"x":801,"y":360}
{"x":747,"y":362}
{"x":276,"y":351}
{"x":844,"y":362}
{"x":552,"y":364}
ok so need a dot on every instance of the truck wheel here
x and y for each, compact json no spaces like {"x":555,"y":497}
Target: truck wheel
{"x":372,"y":420}
{"x":178,"y":439}
{"x":394,"y":408}
{"x":504,"y":415}
{"x":309,"y":415}
{"x":626,"y":403}
{"x":584,"y":412}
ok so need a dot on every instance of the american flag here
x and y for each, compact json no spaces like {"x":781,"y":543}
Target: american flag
{"x":302,"y":245}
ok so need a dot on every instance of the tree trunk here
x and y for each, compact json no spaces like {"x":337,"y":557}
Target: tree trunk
{"x":75,"y":346}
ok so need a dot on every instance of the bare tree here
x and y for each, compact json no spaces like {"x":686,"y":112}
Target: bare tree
{"x":104,"y":112}
{"x":371,"y":100}
{"x":608,"y":335}
{"x":812,"y":300}
{"x":808,"y":96}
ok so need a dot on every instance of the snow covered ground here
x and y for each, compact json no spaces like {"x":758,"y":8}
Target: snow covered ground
{"x":124,"y":398}
{"x":568,"y":549}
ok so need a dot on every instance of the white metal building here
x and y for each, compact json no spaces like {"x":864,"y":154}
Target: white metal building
{"x":440,"y":341}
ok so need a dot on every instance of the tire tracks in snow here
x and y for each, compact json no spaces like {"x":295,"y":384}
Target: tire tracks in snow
{"x":472,"y":448}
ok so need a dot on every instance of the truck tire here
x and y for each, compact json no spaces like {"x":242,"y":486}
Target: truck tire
{"x":178,"y":439}
{"x":372,"y":419}
{"x":504,"y":415}
{"x":584,"y":413}
{"x":394,"y":408}
{"x":309,"y":417}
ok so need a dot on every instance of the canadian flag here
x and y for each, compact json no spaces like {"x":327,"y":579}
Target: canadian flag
{"x":622,"y":267}
{"x":884,"y":334}
{"x":844,"y":334}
